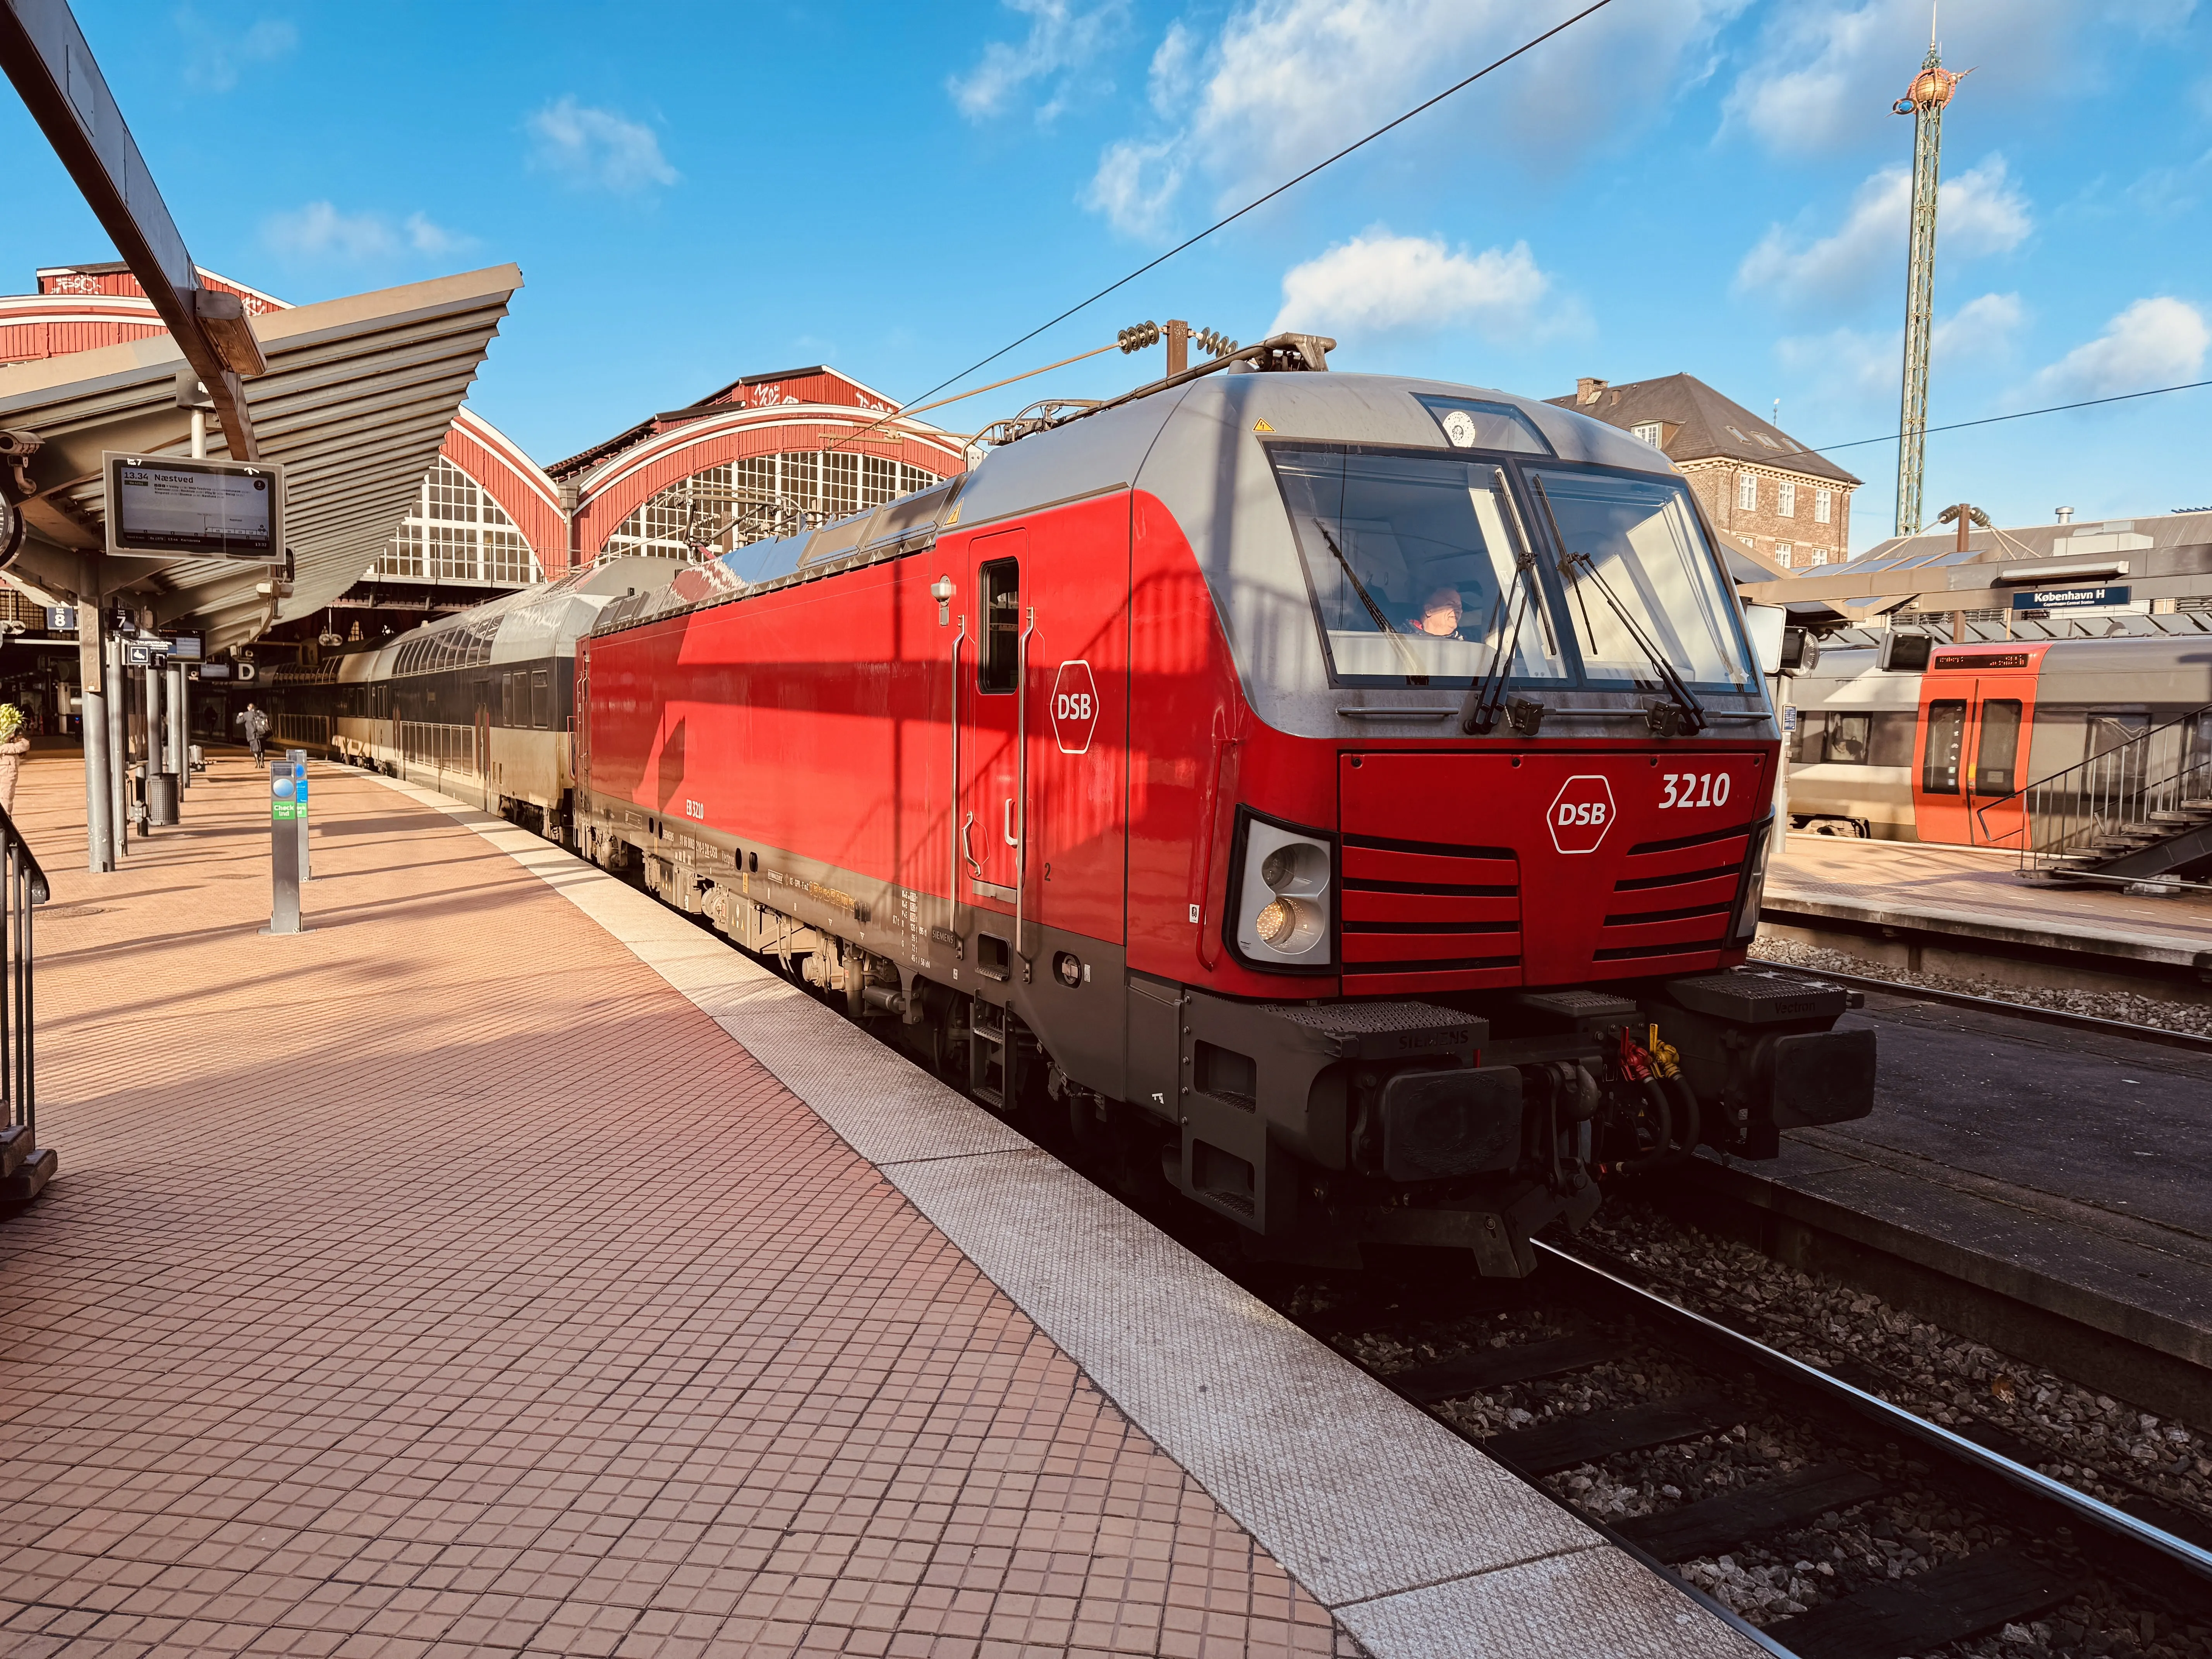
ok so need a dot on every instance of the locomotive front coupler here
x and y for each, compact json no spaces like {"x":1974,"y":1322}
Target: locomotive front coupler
{"x":1761,"y":1052}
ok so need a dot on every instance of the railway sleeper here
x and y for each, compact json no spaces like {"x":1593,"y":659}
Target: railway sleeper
{"x":1944,"y":1604}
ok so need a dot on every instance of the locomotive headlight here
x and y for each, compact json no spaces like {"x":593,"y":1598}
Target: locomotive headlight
{"x":1290,"y":925}
{"x":1754,"y":882}
{"x":1282,"y":902}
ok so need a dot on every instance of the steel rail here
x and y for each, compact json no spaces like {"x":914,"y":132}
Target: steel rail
{"x":2159,"y":1035}
{"x":2144,"y":1551}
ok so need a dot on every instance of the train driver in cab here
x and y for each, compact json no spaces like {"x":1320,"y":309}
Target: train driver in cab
{"x":1440,"y":615}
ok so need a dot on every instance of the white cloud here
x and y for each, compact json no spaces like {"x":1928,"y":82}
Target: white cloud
{"x":1378,"y":283}
{"x":1062,"y":38}
{"x":1285,"y":83}
{"x":1844,"y":366}
{"x":1135,"y":184}
{"x":425,"y":237}
{"x":219,"y":52}
{"x":1175,"y":69}
{"x":321,"y":231}
{"x":1823,"y":74}
{"x":596,"y":149}
{"x":2155,"y":341}
{"x":1978,"y":212}
{"x":1863,"y":369}
{"x":1979,"y":330}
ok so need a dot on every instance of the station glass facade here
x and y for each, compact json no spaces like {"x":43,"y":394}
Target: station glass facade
{"x":458,"y":533}
{"x":710,"y":508}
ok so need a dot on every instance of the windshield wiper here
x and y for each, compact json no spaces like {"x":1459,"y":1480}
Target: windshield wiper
{"x":1414,"y":674}
{"x":1687,"y":714}
{"x":1485,"y":698}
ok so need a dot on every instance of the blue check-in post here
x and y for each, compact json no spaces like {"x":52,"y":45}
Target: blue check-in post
{"x":298,"y":757}
{"x":287,"y":817}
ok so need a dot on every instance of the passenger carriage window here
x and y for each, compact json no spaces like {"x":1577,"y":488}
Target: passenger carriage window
{"x":541,"y":699}
{"x":1811,"y":746}
{"x":1997,"y":753}
{"x":998,"y":666}
{"x":1411,"y":562}
{"x":1847,"y":740}
{"x":1890,"y":738}
{"x":1947,"y":739}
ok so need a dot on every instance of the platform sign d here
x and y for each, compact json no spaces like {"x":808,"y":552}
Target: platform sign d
{"x":1581,"y":814}
{"x":1074,"y":708}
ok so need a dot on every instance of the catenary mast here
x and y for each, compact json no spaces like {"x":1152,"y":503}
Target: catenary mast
{"x":1924,"y":101}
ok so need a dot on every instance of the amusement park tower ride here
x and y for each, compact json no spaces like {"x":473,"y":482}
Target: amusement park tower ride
{"x":1924,"y":101}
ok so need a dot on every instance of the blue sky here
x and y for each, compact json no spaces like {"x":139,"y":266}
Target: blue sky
{"x":699,"y":192}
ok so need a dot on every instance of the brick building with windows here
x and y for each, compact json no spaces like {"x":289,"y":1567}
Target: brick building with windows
{"x":1790,"y":506}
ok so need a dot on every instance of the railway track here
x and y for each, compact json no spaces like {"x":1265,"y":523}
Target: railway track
{"x":2036,"y":1012}
{"x":2039,"y":1544}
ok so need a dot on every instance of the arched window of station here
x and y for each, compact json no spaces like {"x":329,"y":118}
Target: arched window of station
{"x":458,"y":533}
{"x":750,"y":500}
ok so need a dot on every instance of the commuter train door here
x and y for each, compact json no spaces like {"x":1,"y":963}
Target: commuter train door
{"x":1976,"y":714}
{"x":988,"y":811}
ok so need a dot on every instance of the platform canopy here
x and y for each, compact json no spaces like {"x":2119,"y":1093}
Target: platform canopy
{"x":356,"y":401}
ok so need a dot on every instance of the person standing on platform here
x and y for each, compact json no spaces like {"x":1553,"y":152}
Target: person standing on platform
{"x":257,"y":729}
{"x":15,"y":744}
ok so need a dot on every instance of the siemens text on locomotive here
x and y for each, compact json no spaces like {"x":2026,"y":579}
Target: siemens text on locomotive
{"x":1342,"y":798}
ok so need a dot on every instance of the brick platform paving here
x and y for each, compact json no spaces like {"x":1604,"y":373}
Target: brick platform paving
{"x":441,"y":1281}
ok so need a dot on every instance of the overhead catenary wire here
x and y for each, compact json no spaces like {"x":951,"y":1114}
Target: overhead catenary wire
{"x":1257,"y":202}
{"x":923,"y":409}
{"x":2017,"y":415}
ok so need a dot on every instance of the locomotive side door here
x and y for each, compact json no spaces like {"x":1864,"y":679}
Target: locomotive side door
{"x":989,"y":810}
{"x":579,"y":729}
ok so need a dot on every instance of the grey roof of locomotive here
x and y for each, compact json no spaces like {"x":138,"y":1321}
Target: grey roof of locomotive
{"x":1187,"y":445}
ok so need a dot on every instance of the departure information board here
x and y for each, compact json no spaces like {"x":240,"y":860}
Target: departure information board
{"x":162,"y":508}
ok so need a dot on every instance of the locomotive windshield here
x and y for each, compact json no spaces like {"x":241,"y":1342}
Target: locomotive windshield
{"x":1413,"y":564}
{"x":1635,"y":540}
{"x":1419,"y":563}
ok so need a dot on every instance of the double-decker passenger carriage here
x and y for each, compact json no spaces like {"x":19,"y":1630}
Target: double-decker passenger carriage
{"x":1946,"y":743}
{"x":1345,"y":796}
{"x":480,"y":705}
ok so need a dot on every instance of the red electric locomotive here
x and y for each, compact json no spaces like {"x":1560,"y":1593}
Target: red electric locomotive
{"x":1346,"y":796}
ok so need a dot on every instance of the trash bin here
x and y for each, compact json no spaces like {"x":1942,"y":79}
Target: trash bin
{"x":161,"y":797}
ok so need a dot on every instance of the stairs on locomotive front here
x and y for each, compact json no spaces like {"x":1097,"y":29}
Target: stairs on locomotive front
{"x":2138,"y":812}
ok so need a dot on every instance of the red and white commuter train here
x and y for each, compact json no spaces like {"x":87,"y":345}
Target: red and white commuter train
{"x":1941,"y":746}
{"x":1344,"y":797}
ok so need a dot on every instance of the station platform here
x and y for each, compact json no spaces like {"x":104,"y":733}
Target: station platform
{"x":1966,"y":911}
{"x":2070,"y":1173}
{"x":506,"y":1265}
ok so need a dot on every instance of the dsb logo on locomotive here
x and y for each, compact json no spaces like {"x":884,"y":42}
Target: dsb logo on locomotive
{"x":1581,"y":813}
{"x":1074,"y":707}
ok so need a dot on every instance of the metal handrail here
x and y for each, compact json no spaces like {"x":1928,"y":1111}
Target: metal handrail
{"x":2066,"y":814}
{"x":23,"y":887}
